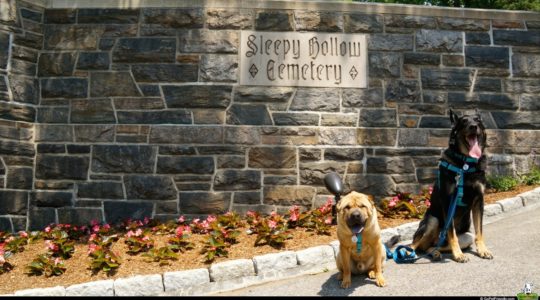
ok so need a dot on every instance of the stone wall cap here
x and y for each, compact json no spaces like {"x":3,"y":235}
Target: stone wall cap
{"x":367,"y":8}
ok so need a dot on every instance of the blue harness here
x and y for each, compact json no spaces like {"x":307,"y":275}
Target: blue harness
{"x":405,"y":254}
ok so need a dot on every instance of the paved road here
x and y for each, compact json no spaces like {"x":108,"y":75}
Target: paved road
{"x":514,"y":242}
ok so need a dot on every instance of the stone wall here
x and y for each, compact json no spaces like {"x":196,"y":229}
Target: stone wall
{"x":108,"y":113}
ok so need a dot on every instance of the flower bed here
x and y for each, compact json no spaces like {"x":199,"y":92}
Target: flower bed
{"x":62,"y":254}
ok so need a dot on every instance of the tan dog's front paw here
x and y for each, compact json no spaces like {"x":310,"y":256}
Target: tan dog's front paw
{"x":371,"y":274}
{"x":380,"y":281}
{"x":346,"y":283}
{"x":461,"y":258}
{"x":486,"y":254}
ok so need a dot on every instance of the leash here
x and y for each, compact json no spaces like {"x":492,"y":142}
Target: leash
{"x":405,"y":254}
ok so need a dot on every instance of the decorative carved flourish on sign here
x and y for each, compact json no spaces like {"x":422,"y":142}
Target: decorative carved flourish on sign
{"x":303,"y":59}
{"x":253,"y":70}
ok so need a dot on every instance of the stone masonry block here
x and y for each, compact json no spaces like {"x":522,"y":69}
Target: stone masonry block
{"x":182,"y":281}
{"x":531,"y":197}
{"x":231,"y":269}
{"x":98,"y":288}
{"x":492,"y":209}
{"x":53,"y":291}
{"x":146,"y":285}
{"x":275,"y":263}
{"x":315,"y":256}
{"x":407,"y":230}
{"x":511,"y":203}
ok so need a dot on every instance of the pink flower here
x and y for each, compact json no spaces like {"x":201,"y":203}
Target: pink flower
{"x":23,"y":234}
{"x":95,"y":228}
{"x":10,"y":239}
{"x":93,"y":248}
{"x":2,"y":259}
{"x":57,"y":261}
{"x":146,"y":220}
{"x":51,"y":245}
{"x":145,"y":238}
{"x":181,"y":219}
{"x":294,"y":213}
{"x":411,"y":201}
{"x":94,"y":223}
{"x":393,"y":202}
{"x":328,"y":220}
{"x":47,"y":229}
{"x":211,"y":218}
{"x":130,"y":233}
{"x":430,"y":190}
{"x":428,"y":203}
{"x":272,"y":224}
{"x":107,"y":226}
{"x":251,"y":214}
{"x":93,"y":237}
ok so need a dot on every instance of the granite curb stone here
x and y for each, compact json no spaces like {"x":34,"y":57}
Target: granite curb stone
{"x":241,"y":273}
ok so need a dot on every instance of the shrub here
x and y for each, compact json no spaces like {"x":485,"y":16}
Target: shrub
{"x":161,"y":255}
{"x":502,"y":183}
{"x":46,"y":264}
{"x":272,"y":230}
{"x":319,"y":220}
{"x":406,"y":205}
{"x":101,"y":255}
{"x":533,"y":177}
{"x":180,"y":242}
{"x":5,"y":266}
{"x":139,"y":241}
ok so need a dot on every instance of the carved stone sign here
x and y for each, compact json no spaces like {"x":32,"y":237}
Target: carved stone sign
{"x":303,"y":59}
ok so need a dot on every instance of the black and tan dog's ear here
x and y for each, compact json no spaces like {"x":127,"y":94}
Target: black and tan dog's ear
{"x":453,"y":117}
{"x":478,"y":115}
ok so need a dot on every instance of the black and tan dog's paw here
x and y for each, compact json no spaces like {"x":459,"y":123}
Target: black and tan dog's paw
{"x":485,"y":254}
{"x":461,"y":258}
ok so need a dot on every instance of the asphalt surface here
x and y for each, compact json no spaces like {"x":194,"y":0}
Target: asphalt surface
{"x":514,"y":240}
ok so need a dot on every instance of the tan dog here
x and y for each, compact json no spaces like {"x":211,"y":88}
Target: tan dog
{"x":357,"y":219}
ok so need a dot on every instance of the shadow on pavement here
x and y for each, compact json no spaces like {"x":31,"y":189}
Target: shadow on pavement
{"x":332,"y":286}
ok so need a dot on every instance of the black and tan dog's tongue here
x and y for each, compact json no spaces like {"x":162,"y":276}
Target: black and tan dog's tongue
{"x":474,"y":148}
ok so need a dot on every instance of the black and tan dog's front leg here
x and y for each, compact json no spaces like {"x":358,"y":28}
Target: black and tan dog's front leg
{"x":453,"y":243}
{"x":477,"y":214}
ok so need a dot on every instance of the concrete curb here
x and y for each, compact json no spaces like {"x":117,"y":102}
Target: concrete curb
{"x":235,"y":274}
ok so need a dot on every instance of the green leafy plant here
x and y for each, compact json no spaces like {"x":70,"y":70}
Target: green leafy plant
{"x":139,"y":241}
{"x":272,"y":230}
{"x":59,"y":244}
{"x":5,"y":266}
{"x":319,"y":220}
{"x":46,"y":264}
{"x":15,"y":243}
{"x":406,"y":205}
{"x":502,"y":183}
{"x":101,"y":255}
{"x":533,"y":177}
{"x":180,"y":241}
{"x":161,"y":255}
{"x":221,"y":238}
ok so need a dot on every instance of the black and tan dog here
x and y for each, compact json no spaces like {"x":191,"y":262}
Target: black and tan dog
{"x":360,"y":247}
{"x":465,"y":152}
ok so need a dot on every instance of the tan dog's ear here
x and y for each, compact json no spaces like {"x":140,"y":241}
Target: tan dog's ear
{"x":371,"y":199}
{"x":341,"y":203}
